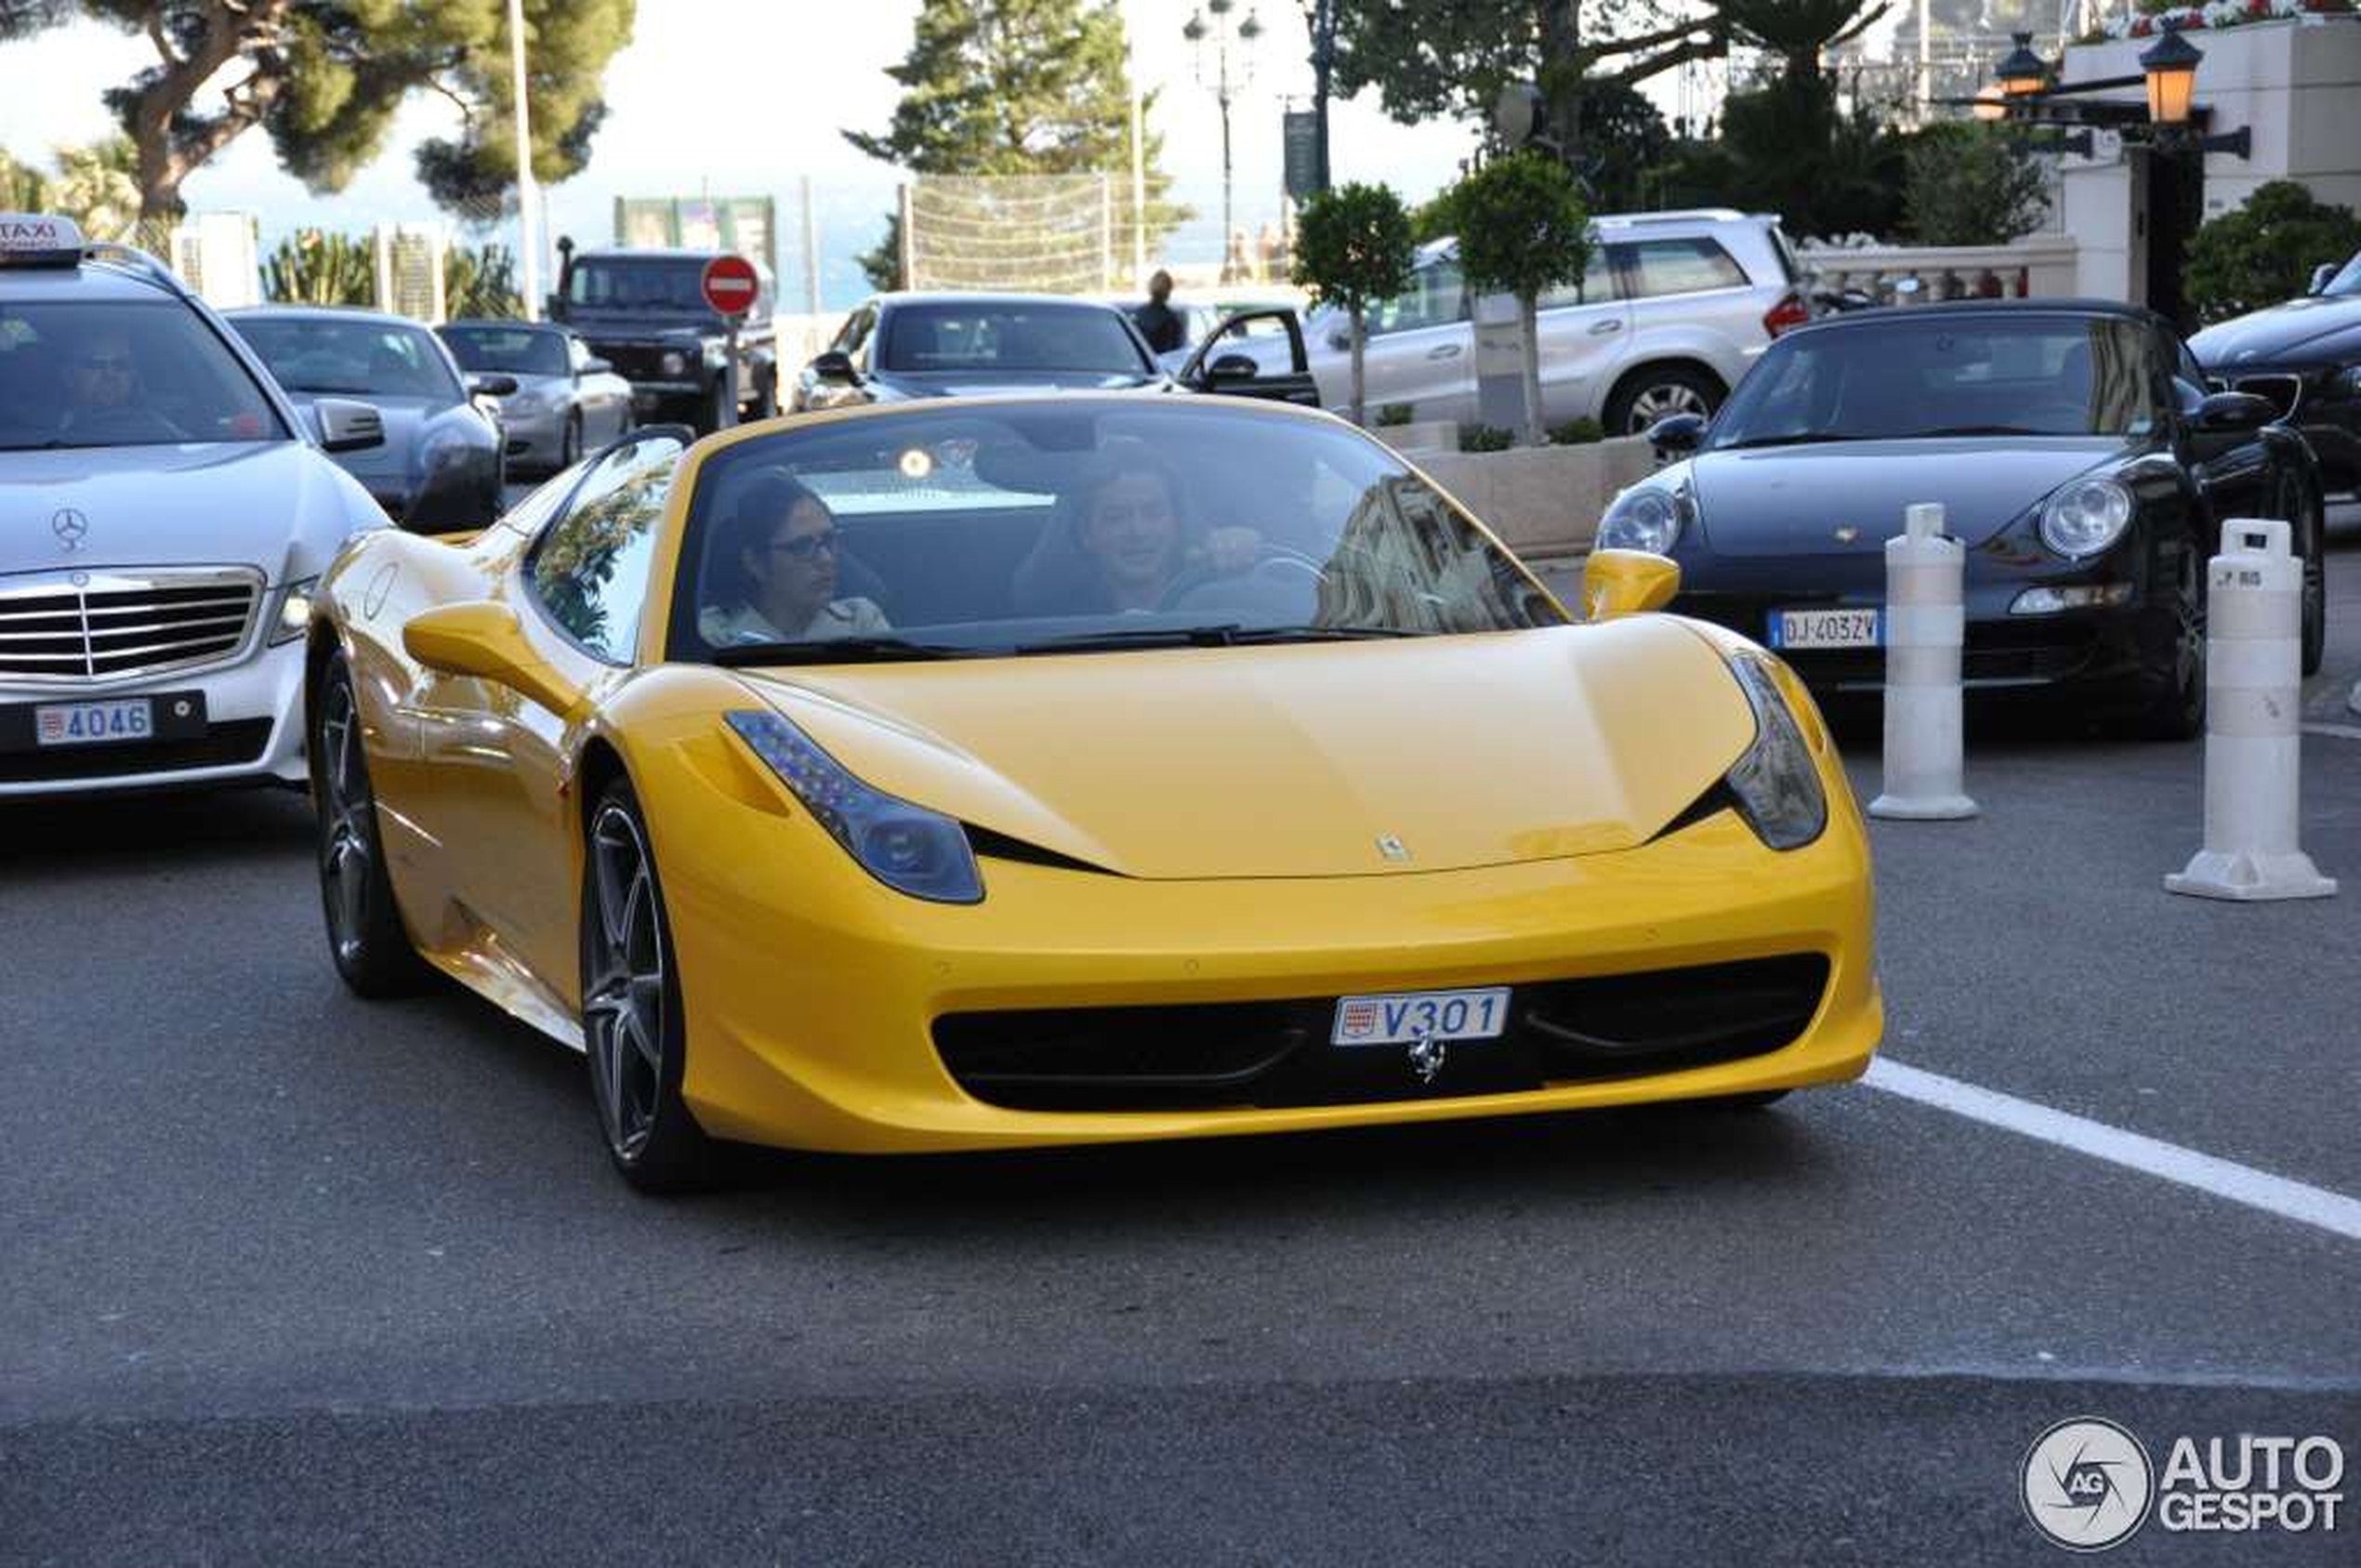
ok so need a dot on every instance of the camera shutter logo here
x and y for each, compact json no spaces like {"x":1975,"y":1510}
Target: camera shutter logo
{"x":71,"y":527}
{"x":2086,"y":1485}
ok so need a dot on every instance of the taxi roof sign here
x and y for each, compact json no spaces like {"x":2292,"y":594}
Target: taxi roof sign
{"x":37,"y":239}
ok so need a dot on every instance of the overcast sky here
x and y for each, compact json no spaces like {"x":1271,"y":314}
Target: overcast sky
{"x":745,"y":97}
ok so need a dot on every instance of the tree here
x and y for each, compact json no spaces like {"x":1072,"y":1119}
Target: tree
{"x":1827,"y":172}
{"x":1427,"y":61}
{"x":1354,"y":248}
{"x":1522,"y":231}
{"x":2263,"y":252}
{"x":93,"y":185}
{"x":1014,"y":87}
{"x":324,"y":79}
{"x":1623,"y":137}
{"x":1971,"y":185}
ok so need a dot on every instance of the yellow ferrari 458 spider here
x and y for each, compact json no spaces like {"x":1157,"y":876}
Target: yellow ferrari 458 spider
{"x":1055,"y":770}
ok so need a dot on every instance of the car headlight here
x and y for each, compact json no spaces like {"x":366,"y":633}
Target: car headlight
{"x":2086,"y":517}
{"x":908,"y":848}
{"x":530,"y":403}
{"x":675,"y":361}
{"x":1644,"y":518}
{"x":1776,"y":783}
{"x":294,"y":616}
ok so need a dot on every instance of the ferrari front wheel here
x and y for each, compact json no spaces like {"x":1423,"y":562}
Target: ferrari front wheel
{"x":631,"y":1014}
{"x":372,"y":950}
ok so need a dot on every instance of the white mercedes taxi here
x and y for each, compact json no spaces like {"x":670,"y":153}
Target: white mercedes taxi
{"x":163,"y":513}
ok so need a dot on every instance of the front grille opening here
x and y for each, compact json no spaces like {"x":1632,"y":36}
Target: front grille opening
{"x":1266,"y":1054}
{"x":224,"y":745}
{"x":99,"y":632}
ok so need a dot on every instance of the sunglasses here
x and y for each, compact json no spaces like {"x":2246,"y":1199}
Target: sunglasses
{"x":808,"y":546}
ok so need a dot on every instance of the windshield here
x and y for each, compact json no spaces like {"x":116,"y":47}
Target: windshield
{"x":2349,"y":280}
{"x":650,"y":283}
{"x":1010,"y":338}
{"x":355,"y":358}
{"x":519,"y":350}
{"x":121,"y":374}
{"x":1951,"y":375}
{"x":1088,"y":525}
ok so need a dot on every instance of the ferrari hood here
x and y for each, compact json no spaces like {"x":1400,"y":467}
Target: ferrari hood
{"x":1299,"y":760}
{"x":1793,"y":500}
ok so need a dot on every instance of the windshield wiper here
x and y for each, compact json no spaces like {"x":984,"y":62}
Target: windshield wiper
{"x":1800,"y":438}
{"x":1324,"y":634}
{"x":838,"y":650}
{"x":1984,"y":430}
{"x":1144,"y":637}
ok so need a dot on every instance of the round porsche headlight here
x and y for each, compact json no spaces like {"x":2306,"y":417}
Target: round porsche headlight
{"x":2086,"y":517}
{"x":1642,"y":518}
{"x":674,"y":362}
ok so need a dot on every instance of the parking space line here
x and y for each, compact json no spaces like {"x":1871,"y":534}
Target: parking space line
{"x":2225,"y":1178}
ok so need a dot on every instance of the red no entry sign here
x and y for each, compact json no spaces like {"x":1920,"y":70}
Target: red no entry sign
{"x":730,"y":285}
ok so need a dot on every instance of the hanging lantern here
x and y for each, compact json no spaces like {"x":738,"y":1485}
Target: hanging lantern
{"x":2171,"y":65}
{"x":2022,"y":73}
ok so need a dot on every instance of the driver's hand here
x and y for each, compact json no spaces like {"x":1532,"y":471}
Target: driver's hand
{"x":1228,"y":550}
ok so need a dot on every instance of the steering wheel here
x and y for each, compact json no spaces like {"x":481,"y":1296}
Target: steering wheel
{"x":1273,"y":563}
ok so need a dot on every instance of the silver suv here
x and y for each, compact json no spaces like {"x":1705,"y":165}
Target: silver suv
{"x":1672,"y":309}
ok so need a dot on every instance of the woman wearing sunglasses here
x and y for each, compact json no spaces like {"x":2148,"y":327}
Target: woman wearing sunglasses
{"x":778,"y":553}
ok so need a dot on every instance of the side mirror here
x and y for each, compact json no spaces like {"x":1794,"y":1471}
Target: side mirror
{"x":490,"y":384}
{"x":480,"y":639}
{"x":1233,"y":368}
{"x":345,"y":426}
{"x":597,"y":367}
{"x":835,"y":366}
{"x":1627,"y":583}
{"x":1341,"y":341}
{"x":1677,"y":433}
{"x":2233,"y":413}
{"x":2320,"y":277}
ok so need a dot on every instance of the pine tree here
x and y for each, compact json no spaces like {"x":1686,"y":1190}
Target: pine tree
{"x":1015,"y":87}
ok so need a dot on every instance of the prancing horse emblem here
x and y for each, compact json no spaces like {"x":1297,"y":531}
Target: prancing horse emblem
{"x":1426,"y":1058}
{"x":70,"y":526}
{"x":1392,"y":848}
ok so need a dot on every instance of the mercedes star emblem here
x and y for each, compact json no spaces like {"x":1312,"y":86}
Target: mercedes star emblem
{"x":70,"y":526}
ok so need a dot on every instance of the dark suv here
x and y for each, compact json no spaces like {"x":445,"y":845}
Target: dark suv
{"x":644,"y":313}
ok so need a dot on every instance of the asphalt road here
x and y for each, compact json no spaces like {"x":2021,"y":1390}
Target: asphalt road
{"x":289,"y":1277}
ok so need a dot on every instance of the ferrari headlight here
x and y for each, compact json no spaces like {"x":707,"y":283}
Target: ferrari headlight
{"x":908,"y":848}
{"x":294,"y":611}
{"x":1776,"y":786}
{"x":1644,"y":518}
{"x":2086,"y":517}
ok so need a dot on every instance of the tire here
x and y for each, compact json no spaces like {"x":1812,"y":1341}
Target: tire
{"x":570,"y":444}
{"x":633,"y":1028}
{"x":373,"y":953}
{"x":716,"y":410}
{"x":2179,"y":713}
{"x":766,"y":397}
{"x":1648,"y":395}
{"x":2313,"y":541}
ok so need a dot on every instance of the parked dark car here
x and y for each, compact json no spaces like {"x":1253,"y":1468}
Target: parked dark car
{"x":442,"y":466}
{"x":567,"y":399}
{"x":2305,"y":357}
{"x":2079,"y":459}
{"x":901,"y":346}
{"x":643,"y":311}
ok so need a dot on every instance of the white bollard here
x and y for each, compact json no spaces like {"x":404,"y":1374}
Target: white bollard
{"x":2254,"y":709}
{"x":1925,"y":623}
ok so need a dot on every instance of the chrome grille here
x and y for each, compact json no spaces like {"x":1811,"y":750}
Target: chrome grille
{"x":111,"y":626}
{"x":2282,"y":392}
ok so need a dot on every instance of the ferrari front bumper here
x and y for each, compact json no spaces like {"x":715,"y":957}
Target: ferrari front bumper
{"x":818,"y":1033}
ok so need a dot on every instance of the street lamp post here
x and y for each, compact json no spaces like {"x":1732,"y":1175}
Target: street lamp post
{"x":1196,"y":31}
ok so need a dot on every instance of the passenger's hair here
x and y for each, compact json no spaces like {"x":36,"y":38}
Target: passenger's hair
{"x":762,"y":506}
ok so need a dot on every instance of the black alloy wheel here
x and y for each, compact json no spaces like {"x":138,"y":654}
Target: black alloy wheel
{"x":632,"y":1028}
{"x":2178,"y":713}
{"x":373,"y":953}
{"x":570,"y":444}
{"x":2307,"y":535}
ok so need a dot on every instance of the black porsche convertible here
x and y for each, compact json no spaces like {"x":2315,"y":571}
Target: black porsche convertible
{"x":2079,"y":459}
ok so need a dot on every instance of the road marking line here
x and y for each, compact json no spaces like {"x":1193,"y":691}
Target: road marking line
{"x":2342,"y":731}
{"x":2225,"y":1178}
